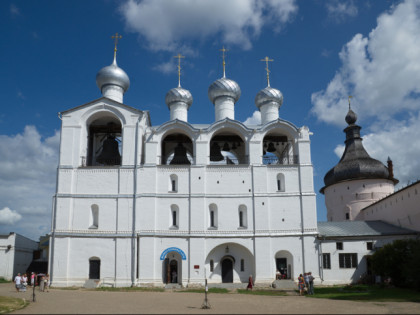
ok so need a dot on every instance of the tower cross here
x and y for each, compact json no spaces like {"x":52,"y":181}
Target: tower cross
{"x":350,"y":97}
{"x":223,"y":50}
{"x":266,"y":59}
{"x":179,"y":56}
{"x":116,"y":37}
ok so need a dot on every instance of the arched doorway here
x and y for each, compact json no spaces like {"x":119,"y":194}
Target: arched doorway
{"x":172,"y":268}
{"x":230,"y":263}
{"x":94,"y":268}
{"x":284,"y":264}
{"x":227,"y":270}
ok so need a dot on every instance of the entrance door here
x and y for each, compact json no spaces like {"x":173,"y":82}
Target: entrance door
{"x":281,"y":264}
{"x":94,"y":269}
{"x":227,"y":271}
{"x":173,"y":271}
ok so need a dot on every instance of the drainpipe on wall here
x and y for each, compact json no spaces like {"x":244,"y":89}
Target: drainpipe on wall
{"x":54,"y":212}
{"x":133,"y":234}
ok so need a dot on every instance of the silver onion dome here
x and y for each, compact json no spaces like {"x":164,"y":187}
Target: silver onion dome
{"x":112,"y":75}
{"x":224,"y":87}
{"x":178,"y":94}
{"x":268,"y":95}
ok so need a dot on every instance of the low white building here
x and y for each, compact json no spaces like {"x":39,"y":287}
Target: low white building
{"x":16,"y":253}
{"x":138,"y":204}
{"x":345,"y":248}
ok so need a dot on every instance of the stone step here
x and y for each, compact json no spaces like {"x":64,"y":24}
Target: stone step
{"x":284,"y":285}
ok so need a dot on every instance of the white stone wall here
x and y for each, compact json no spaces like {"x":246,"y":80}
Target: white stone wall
{"x":17,"y":258}
{"x":352,"y":196}
{"x":273,"y":223}
{"x":337,"y":275}
{"x":401,"y":208}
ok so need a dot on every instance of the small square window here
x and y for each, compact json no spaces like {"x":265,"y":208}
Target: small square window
{"x":339,"y":245}
{"x":369,"y":245}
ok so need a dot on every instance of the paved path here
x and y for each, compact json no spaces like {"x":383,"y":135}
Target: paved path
{"x":95,"y":302}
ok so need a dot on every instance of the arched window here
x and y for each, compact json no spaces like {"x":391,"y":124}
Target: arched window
{"x":173,"y":183}
{"x":211,"y":265}
{"x":242,"y":265}
{"x":174,"y":217}
{"x":280,"y":182}
{"x":242,"y":216}
{"x":213,"y":216}
{"x":94,"y":217}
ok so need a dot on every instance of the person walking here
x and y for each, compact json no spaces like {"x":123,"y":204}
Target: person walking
{"x":46,"y":282}
{"x":250,"y":283}
{"x":306,"y":279}
{"x":18,"y":282}
{"x":24,"y":282}
{"x":32,"y":278}
{"x":301,"y":284}
{"x":311,"y":283}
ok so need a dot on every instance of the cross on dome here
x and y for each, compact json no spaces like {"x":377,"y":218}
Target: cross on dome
{"x":179,"y":56}
{"x":223,"y":50}
{"x":266,"y":59}
{"x":116,"y":37}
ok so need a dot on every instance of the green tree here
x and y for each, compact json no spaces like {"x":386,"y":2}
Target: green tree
{"x":400,"y":261}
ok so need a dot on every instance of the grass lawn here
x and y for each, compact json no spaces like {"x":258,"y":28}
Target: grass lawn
{"x":211,"y":290}
{"x":366,"y":293}
{"x":130,"y":289}
{"x":9,"y":304}
{"x":262,"y":292}
{"x":2,"y":280}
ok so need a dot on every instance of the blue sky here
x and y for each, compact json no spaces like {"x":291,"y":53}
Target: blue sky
{"x":323,"y":51}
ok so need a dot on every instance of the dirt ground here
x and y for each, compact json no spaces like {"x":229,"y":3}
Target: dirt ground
{"x":81,"y":301}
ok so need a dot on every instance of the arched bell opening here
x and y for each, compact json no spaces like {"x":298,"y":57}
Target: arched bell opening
{"x":172,"y":268}
{"x":227,"y":148}
{"x":277,"y":149}
{"x":177,"y":149}
{"x":104,"y":142}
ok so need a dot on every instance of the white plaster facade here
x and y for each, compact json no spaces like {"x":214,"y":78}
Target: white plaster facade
{"x":335,"y":273}
{"x":16,"y":253}
{"x":345,"y":200}
{"x":401,"y":208}
{"x":136,"y":218}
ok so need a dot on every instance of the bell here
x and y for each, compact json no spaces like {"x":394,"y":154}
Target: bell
{"x":215,"y":154}
{"x":226,"y":147}
{"x":234,"y":147}
{"x":271,"y":147}
{"x":110,"y":154}
{"x":180,"y":155}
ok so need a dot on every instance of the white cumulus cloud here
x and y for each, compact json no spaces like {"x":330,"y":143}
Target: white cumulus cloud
{"x":339,"y":11}
{"x":381,"y":71}
{"x":255,"y":119}
{"x":8,"y":216}
{"x":28,"y":164}
{"x":169,"y":25}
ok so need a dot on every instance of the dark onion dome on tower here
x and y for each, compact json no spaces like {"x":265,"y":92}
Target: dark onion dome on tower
{"x":355,"y":162}
{"x":268,"y":95}
{"x":224,"y":87}
{"x":178,"y":94}
{"x":112,"y":75}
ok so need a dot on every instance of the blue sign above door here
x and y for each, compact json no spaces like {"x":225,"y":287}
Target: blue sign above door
{"x":173,"y":249}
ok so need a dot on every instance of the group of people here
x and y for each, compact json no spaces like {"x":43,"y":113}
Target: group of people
{"x":21,"y":282}
{"x":306,"y":281}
